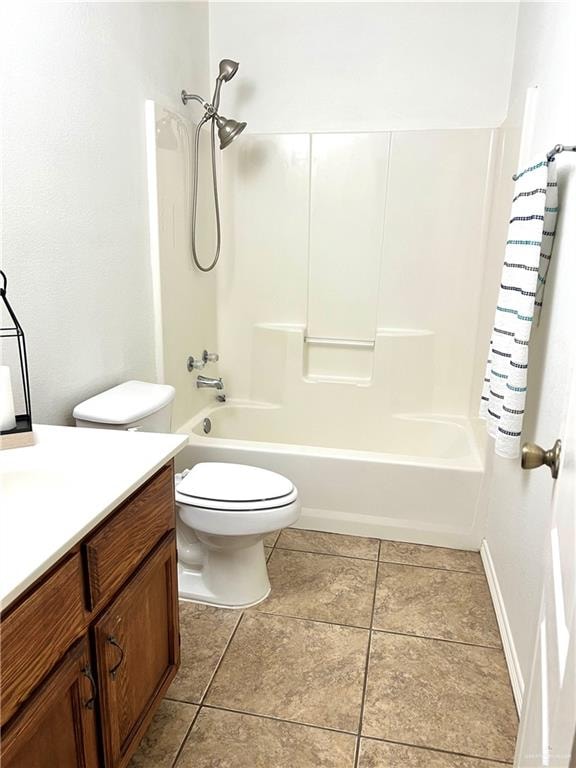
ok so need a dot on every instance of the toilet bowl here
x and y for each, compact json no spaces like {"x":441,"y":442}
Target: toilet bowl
{"x":224,"y":513}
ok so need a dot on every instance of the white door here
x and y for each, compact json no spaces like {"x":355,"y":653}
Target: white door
{"x":548,"y":724}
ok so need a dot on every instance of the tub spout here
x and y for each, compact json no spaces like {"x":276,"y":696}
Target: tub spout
{"x":203,"y":382}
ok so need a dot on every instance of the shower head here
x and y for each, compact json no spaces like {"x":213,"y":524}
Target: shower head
{"x":228,"y":130}
{"x":227,"y":69}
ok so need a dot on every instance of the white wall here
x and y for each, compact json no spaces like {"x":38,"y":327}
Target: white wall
{"x":75,"y":230}
{"x":320,"y":67}
{"x":519,"y":502}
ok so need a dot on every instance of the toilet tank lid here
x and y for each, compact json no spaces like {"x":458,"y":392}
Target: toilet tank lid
{"x":128,"y":402}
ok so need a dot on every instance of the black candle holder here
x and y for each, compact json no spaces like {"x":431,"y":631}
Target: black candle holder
{"x":22,"y":433}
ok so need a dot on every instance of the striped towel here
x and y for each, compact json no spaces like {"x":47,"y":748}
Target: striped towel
{"x":526,"y":261}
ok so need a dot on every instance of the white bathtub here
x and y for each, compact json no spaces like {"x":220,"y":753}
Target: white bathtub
{"x":410,"y":478}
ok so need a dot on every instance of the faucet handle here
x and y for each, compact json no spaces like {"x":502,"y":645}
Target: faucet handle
{"x":193,"y":364}
{"x":210,"y":357}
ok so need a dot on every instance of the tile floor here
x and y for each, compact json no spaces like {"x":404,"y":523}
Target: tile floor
{"x":367,"y":654}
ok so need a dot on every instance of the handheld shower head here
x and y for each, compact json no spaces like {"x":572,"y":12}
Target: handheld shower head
{"x":227,"y":69}
{"x":228,"y":130}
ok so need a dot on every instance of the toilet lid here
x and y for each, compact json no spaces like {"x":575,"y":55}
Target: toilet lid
{"x":218,"y":484}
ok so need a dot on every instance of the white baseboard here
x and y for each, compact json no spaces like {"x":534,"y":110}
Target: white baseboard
{"x":509,"y":648}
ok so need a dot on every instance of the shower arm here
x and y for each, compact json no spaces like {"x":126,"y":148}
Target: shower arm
{"x":211,"y":109}
{"x":186,"y":97}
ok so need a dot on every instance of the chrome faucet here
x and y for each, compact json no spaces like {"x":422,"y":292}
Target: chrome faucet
{"x":204,"y":382}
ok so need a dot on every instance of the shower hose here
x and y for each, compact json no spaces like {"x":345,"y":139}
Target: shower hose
{"x":211,"y":266}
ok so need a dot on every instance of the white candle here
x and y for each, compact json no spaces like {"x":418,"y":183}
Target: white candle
{"x":7,"y":417}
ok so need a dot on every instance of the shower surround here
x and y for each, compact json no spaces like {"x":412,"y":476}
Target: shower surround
{"x":348,"y":296}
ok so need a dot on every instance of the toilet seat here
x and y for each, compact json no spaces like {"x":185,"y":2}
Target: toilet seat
{"x":236,"y":499}
{"x":226,"y":487}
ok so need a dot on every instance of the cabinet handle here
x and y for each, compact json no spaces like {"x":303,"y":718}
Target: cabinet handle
{"x":111,"y":640}
{"x":87,"y":672}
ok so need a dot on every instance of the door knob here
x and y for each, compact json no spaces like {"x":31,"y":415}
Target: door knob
{"x":533,"y":456}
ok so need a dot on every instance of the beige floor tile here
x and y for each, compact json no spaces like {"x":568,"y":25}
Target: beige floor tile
{"x":166,"y":733}
{"x":440,"y":695}
{"x":322,"y":587}
{"x":434,"y":603}
{"x":205,"y":631}
{"x":382,"y":754}
{"x":328,"y":543}
{"x":271,"y":538}
{"x":432,"y":557}
{"x":267,"y":552}
{"x":293,"y":669}
{"x":231,"y":740}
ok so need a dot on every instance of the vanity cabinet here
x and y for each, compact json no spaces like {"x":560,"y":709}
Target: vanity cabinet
{"x":89,"y":651}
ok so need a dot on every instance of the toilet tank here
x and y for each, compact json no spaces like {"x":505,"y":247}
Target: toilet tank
{"x":134,"y":405}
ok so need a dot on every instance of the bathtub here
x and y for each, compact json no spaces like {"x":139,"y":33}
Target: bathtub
{"x":408,"y":478}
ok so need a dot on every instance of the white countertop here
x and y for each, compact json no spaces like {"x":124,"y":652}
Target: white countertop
{"x":53,"y":493}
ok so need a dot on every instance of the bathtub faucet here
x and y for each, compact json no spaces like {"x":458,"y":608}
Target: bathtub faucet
{"x":205,"y":382}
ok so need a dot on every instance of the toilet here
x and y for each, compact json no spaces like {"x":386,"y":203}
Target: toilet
{"x":224,"y":510}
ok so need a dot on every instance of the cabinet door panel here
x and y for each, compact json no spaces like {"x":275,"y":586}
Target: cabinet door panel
{"x":57,"y":727}
{"x":137,"y":647}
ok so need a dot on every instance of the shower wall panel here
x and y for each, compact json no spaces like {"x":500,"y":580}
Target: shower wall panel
{"x":347,"y":198}
{"x":434,"y":245}
{"x":186,"y":300}
{"x":263,"y":274}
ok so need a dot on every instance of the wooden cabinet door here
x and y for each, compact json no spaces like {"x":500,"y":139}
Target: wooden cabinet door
{"x":57,"y":726}
{"x":138,"y":652}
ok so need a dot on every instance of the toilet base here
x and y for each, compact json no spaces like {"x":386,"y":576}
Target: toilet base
{"x":223,"y":571}
{"x":191,"y":589}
